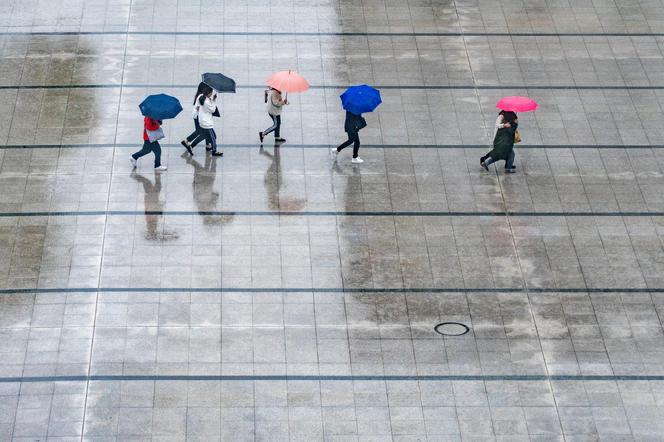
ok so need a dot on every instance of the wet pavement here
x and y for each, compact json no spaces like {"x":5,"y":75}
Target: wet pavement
{"x":276,"y":293}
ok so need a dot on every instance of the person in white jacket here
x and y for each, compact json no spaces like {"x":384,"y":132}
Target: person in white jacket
{"x":274,"y":104}
{"x":196,"y":136}
{"x":208,"y":106}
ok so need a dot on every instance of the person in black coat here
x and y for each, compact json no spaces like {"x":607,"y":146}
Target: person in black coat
{"x":354,"y":123}
{"x":503,"y":143}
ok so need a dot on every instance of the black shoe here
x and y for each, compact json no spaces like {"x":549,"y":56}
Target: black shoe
{"x":280,"y":140}
{"x":208,"y":147}
{"x":188,"y":147}
{"x":261,"y":136}
{"x":484,"y":166}
{"x":217,"y":154}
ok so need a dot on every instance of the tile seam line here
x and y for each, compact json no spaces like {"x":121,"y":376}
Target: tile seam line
{"x":326,"y":146}
{"x":111,"y":378}
{"x":336,"y":34}
{"x":340,"y":86}
{"x":395,"y":290}
{"x":434,"y":214}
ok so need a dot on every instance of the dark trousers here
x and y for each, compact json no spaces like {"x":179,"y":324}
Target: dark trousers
{"x":210,"y":138}
{"x":276,"y":126}
{"x":148,"y":147}
{"x":196,"y":136}
{"x":509,"y":162}
{"x":354,"y":139}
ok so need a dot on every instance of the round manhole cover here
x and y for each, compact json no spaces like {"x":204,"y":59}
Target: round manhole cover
{"x":451,"y":329}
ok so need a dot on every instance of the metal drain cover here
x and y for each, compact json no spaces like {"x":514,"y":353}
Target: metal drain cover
{"x":451,"y":329}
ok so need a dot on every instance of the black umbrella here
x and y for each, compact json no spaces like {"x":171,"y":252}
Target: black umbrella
{"x":219,"y":82}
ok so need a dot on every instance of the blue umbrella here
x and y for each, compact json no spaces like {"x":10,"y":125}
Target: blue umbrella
{"x":160,"y":107}
{"x":360,"y":99}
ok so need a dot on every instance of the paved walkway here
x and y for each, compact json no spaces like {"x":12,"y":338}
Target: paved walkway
{"x":277,"y":294}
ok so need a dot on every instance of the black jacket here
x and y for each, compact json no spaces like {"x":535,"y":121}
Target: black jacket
{"x":503,"y":143}
{"x":354,"y":123}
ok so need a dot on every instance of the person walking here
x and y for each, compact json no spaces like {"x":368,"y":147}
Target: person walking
{"x":353,"y":124}
{"x":196,"y":136}
{"x":503,"y":142}
{"x":207,"y":107}
{"x":274,"y":104}
{"x":152,"y":133}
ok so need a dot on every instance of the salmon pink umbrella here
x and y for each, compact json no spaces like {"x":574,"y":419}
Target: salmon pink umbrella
{"x":287,"y":81}
{"x":516,"y":104}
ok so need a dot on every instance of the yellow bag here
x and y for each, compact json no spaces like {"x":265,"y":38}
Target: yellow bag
{"x":517,"y":136}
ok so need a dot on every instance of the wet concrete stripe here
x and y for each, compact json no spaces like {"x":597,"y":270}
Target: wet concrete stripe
{"x":339,"y":34}
{"x":327,"y":146}
{"x":319,"y":378}
{"x":341,"y":87}
{"x":325,"y":213}
{"x":352,"y":290}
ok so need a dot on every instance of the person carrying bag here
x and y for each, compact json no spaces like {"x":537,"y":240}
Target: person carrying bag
{"x":152,"y":133}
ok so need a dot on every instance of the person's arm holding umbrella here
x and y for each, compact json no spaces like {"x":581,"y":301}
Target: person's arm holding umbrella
{"x":210,"y":103}
{"x":152,"y":124}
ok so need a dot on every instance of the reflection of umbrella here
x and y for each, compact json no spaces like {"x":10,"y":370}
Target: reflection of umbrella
{"x":516,"y":104}
{"x":291,"y":204}
{"x":160,"y":107}
{"x":288,"y":81}
{"x":219,"y":82}
{"x":360,"y":99}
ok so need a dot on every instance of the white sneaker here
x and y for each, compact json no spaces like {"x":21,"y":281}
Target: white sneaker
{"x":334,"y":151}
{"x":133,"y":162}
{"x":161,"y":168}
{"x":357,"y":160}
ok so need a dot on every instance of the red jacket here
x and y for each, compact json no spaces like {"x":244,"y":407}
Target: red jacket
{"x":149,"y":124}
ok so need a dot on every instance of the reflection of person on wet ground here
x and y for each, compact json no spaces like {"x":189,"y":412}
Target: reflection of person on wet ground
{"x":272,"y":178}
{"x":152,"y":204}
{"x":205,"y":196}
{"x":273,"y":186}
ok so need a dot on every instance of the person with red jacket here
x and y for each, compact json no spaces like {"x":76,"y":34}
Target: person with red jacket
{"x":150,"y":124}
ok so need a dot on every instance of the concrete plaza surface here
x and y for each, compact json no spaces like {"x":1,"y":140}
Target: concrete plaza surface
{"x":278,"y":293}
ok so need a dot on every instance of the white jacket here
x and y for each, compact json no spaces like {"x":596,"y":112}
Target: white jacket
{"x":275,"y":103}
{"x":205,"y":113}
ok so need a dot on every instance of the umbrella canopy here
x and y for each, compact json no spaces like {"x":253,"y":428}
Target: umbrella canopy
{"x":516,"y":104}
{"x":360,"y":99}
{"x":288,"y":81}
{"x":219,"y":82}
{"x":160,"y":107}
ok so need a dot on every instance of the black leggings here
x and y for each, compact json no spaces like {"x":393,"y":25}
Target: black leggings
{"x":276,"y":126}
{"x":210,"y":138}
{"x":354,"y":139}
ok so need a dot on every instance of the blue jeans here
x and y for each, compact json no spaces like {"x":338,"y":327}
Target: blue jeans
{"x":147,"y":148}
{"x":509,"y":162}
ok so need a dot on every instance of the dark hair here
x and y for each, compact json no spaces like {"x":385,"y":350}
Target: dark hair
{"x":203,"y":89}
{"x":508,"y":116}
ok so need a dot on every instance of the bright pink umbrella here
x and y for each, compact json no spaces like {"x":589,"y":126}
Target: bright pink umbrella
{"x":516,"y":104}
{"x":288,"y":81}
